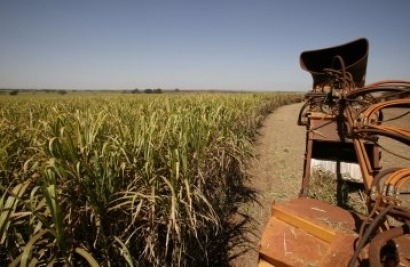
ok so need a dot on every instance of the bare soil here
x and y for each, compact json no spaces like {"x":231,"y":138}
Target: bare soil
{"x":276,"y":172}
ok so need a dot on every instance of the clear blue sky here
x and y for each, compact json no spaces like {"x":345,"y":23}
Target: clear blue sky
{"x":208,"y":44}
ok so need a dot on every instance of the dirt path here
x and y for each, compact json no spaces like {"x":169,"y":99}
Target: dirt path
{"x":276,"y":172}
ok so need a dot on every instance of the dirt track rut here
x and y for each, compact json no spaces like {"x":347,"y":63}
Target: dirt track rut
{"x":276,"y":172}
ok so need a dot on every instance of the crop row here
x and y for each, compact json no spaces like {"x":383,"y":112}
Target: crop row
{"x":141,"y":180}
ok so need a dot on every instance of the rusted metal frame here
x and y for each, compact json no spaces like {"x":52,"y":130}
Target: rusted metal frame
{"x":380,"y":240}
{"x":374,"y":209}
{"x":300,"y":119}
{"x":398,"y":137}
{"x":369,"y":96}
{"x":345,"y":77}
{"x":377,"y":242}
{"x":362,"y":125}
{"x":392,"y":129}
{"x":404,"y":180}
{"x":395,"y":181}
{"x":393,"y":132}
{"x":362,"y":113}
{"x":370,"y":90}
{"x":364,"y":163}
{"x":389,"y":130}
{"x":375,"y":187}
{"x":389,"y":83}
{"x":361,"y":153}
{"x":395,"y":177}
{"x":304,"y":190}
{"x":309,"y":137}
{"x":379,"y":212}
{"x":379,"y":106}
{"x":401,"y":212}
{"x":367,"y":125}
{"x":393,"y":184}
{"x":309,"y":102}
{"x":369,"y":231}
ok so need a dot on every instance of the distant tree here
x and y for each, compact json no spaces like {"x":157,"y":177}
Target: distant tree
{"x":148,"y":91}
{"x":177,"y":90}
{"x":62,"y":92}
{"x":157,"y":91}
{"x":14,"y":92}
{"x":136,"y":91}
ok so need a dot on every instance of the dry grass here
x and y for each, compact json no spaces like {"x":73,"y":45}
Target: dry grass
{"x":325,"y":186}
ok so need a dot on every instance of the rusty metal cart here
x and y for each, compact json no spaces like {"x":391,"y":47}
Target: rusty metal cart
{"x":344,"y":121}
